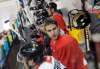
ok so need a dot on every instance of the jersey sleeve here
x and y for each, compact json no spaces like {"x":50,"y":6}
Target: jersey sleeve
{"x":77,"y":57}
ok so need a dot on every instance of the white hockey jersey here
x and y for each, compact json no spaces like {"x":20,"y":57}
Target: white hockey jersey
{"x":51,"y":63}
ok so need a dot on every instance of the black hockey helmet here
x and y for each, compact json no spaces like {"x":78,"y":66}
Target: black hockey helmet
{"x":80,"y":19}
{"x":32,"y":51}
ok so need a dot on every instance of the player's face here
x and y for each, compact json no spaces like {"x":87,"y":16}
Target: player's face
{"x":50,"y":11}
{"x":53,"y":31}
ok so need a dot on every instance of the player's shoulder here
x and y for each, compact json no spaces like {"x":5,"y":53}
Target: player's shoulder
{"x":67,"y":38}
{"x":47,"y":64}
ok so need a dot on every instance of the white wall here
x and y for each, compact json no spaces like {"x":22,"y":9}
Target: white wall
{"x":8,"y":9}
{"x":71,"y":4}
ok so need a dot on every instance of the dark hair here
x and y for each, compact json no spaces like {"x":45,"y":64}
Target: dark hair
{"x":53,"y":5}
{"x":49,"y":21}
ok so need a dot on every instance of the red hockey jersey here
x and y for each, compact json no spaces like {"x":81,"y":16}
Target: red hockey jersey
{"x":60,"y":22}
{"x":67,"y":51}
